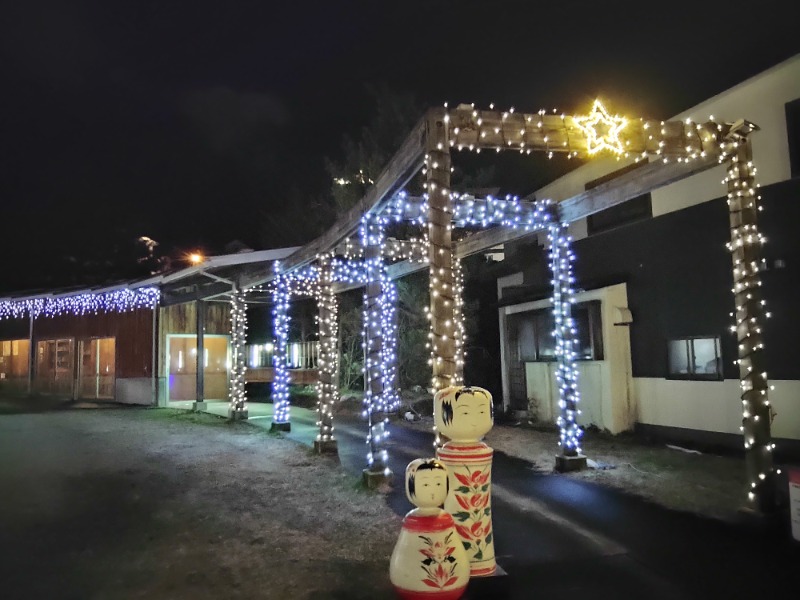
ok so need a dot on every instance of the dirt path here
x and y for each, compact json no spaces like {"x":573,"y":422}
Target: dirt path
{"x":146,"y":504}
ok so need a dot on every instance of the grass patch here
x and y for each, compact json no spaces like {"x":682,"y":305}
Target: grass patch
{"x":177,"y":415}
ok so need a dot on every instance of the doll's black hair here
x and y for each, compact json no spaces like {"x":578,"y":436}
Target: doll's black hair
{"x":447,"y":406}
{"x":428,"y":465}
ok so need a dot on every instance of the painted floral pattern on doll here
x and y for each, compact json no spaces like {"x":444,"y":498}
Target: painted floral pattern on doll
{"x":474,"y":523}
{"x":439,"y":563}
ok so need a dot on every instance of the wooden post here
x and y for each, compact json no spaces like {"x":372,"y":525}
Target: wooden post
{"x":745,"y":247}
{"x":440,"y":251}
{"x":377,"y":470}
{"x":31,"y":353}
{"x":200,"y":310}
{"x":154,"y":357}
{"x":237,"y":410}
{"x":570,"y":457}
{"x":328,"y":360}
{"x":458,"y":312}
{"x":391,"y":399}
{"x":280,"y":381}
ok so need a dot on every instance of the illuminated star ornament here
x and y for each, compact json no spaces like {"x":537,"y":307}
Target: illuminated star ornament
{"x":601,"y":130}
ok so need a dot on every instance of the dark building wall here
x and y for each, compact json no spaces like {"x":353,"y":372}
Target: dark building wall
{"x":14,"y":329}
{"x":678,"y":273}
{"x":133,"y":332}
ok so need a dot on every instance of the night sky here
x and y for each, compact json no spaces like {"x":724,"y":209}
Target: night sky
{"x":185,"y":121}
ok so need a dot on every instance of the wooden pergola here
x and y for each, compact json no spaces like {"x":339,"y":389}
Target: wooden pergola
{"x":673,"y":150}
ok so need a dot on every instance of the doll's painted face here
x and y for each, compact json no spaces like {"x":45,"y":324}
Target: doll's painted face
{"x":426,"y":483}
{"x":463,"y":414}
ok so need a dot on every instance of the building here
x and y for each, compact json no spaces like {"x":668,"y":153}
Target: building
{"x":654,"y":303}
{"x":137,"y":342}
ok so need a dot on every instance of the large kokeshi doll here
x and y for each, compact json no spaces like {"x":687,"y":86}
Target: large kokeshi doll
{"x":428,"y":561}
{"x":464,"y":415}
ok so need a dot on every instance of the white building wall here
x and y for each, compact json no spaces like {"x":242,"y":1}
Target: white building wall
{"x":713,"y":405}
{"x":760,"y":99}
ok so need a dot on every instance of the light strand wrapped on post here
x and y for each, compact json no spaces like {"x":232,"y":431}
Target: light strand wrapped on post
{"x":280,"y":382}
{"x":328,"y":361}
{"x":391,"y":398}
{"x":440,"y":251}
{"x":238,"y":394}
{"x":458,"y":318}
{"x":561,"y":257}
{"x":745,"y":249}
{"x":375,"y":408}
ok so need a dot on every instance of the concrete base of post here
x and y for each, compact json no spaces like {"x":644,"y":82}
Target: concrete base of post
{"x":199,"y":406}
{"x":238,"y":415}
{"x":375,"y":479}
{"x":326,"y":447}
{"x":763,"y":522}
{"x":565,"y":464}
{"x":280,"y":427}
{"x":495,"y":586}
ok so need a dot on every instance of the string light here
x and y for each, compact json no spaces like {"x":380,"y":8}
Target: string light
{"x":238,"y":397}
{"x":601,"y":130}
{"x":124,"y":300}
{"x":379,"y":342}
{"x":745,"y":245}
{"x":280,"y":382}
{"x":328,"y":362}
{"x":565,"y":334}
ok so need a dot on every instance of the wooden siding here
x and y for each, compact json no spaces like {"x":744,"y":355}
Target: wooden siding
{"x":133,"y":332}
{"x":181,"y":318}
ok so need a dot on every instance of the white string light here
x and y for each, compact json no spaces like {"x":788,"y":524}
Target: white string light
{"x":124,"y":300}
{"x":238,"y":396}
{"x":280,"y":382}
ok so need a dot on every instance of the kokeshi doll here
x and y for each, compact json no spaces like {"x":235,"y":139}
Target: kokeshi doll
{"x":465,"y":415}
{"x":428,"y":561}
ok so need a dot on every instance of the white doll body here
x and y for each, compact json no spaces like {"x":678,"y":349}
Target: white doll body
{"x":428,"y":560}
{"x":464,"y":414}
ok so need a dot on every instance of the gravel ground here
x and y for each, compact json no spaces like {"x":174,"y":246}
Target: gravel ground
{"x":137,"y":503}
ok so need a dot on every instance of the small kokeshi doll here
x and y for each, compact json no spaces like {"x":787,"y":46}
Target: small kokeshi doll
{"x":465,"y":415}
{"x":428,"y":560}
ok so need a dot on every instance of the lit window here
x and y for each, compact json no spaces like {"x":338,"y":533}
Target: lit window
{"x":694,"y":358}
{"x":532,"y":332}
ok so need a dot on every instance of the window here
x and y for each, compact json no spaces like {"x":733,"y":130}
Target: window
{"x":636,"y":209}
{"x":694,"y":358}
{"x":534,"y":333}
{"x":793,"y":134}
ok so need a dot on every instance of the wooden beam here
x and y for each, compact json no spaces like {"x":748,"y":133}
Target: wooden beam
{"x":401,"y":168}
{"x":171,"y":297}
{"x":632,"y":184}
{"x":620,"y":189}
{"x":472,"y":129}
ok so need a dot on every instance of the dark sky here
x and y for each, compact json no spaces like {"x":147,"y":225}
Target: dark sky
{"x":183,"y":120}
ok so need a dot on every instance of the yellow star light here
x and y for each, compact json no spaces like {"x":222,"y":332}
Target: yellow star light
{"x":601,"y":130}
